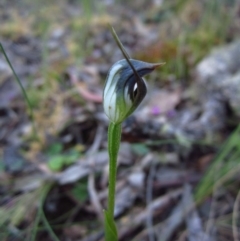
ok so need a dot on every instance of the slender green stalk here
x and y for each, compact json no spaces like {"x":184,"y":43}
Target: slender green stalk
{"x":42,"y":214}
{"x":114,"y":137}
{"x":22,"y":89}
{"x":48,"y":227}
{"x":35,"y":226}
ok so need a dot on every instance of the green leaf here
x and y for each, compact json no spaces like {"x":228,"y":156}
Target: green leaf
{"x":56,"y":163}
{"x":140,"y":149}
{"x":55,"y":148}
{"x":71,"y":157}
{"x":110,"y":227}
{"x":80,"y":191}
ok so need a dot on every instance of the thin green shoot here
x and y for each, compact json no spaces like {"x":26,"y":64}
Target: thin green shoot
{"x":41,"y":215}
{"x":224,"y":166}
{"x":22,"y":89}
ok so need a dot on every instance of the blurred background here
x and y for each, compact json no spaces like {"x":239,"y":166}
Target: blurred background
{"x":180,"y":153}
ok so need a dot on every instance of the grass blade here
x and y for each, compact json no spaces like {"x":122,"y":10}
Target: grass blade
{"x":21,"y":87}
{"x":225,"y":163}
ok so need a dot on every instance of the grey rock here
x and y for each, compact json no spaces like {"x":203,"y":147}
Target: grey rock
{"x":136,"y":179}
{"x":222,"y":63}
{"x":220,"y":73}
{"x":231,"y":92}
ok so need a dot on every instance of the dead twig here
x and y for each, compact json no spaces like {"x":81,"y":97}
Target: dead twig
{"x":235,"y":218}
{"x":94,"y":197}
{"x":158,"y":204}
{"x":216,"y":186}
{"x":82,"y":88}
{"x":149,"y":200}
{"x":91,"y":179}
{"x":194,"y":225}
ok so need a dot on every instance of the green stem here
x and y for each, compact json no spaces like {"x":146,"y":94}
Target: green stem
{"x":22,"y":89}
{"x":43,"y":217}
{"x":114,"y":137}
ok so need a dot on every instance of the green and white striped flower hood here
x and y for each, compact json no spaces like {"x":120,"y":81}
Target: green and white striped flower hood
{"x":124,"y":91}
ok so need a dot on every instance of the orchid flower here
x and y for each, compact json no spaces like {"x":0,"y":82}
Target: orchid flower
{"x":124,"y":90}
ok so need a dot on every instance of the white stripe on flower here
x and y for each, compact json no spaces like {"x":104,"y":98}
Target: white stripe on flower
{"x":110,"y":95}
